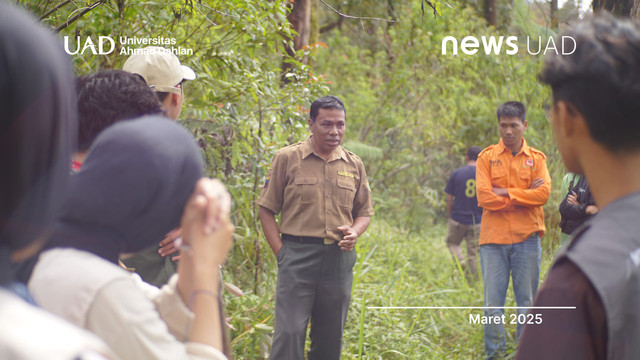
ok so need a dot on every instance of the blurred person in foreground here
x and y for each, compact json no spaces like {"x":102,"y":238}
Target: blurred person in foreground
{"x":596,"y":92}
{"x":141,"y":178}
{"x":37,"y":134}
{"x":104,"y":98}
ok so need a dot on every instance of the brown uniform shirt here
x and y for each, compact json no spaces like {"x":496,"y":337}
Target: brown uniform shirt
{"x":316,"y":196}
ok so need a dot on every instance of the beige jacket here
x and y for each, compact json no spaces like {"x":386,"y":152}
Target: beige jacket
{"x":137,"y":320}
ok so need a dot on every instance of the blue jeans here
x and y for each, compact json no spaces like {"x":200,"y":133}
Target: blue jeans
{"x":522,"y":261}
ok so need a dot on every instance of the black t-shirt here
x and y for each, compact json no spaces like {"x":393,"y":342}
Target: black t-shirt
{"x":462,"y":185}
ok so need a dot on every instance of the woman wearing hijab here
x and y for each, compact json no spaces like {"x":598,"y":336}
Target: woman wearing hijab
{"x":138,"y":178}
{"x":36,"y":125}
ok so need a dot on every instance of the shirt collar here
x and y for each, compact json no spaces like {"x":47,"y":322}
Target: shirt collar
{"x":525,"y":148}
{"x":308,"y":149}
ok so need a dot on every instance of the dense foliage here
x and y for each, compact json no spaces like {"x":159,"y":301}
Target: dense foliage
{"x":422,"y":108}
{"x":411,"y":114}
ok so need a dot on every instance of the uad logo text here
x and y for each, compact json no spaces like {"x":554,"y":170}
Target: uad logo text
{"x":96,"y":48}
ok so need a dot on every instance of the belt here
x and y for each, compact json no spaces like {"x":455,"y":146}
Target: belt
{"x":307,"y":239}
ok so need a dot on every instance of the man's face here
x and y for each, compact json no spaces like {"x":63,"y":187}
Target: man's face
{"x":328,"y":130}
{"x":511,"y":131}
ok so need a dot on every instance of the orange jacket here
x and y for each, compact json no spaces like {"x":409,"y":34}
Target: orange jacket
{"x":510,"y":220}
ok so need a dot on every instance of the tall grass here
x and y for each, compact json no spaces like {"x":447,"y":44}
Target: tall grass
{"x":394,"y":268}
{"x":414,"y":270}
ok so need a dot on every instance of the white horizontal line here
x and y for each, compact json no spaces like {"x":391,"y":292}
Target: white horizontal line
{"x":472,"y":307}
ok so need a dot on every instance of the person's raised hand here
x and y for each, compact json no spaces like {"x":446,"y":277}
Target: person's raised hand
{"x":573,"y":199}
{"x":206,"y":227}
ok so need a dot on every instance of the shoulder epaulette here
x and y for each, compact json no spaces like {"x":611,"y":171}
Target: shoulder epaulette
{"x":534,"y":150}
{"x":487,"y":149}
{"x":291,"y":146}
{"x":351,"y":153}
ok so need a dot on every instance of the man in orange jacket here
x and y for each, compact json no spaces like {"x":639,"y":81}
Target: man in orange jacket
{"x":512,"y":185}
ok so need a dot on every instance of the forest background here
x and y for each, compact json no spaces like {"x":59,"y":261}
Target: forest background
{"x":411,"y":114}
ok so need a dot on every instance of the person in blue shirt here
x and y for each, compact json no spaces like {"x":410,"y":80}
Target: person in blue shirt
{"x":464,"y":213}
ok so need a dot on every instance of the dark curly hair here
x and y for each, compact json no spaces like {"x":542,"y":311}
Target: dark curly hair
{"x":601,"y":78}
{"x":110,"y":96}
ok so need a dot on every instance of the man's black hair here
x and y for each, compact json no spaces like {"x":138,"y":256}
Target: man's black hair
{"x":326,"y":102}
{"x":472,"y":153}
{"x":512,"y":109}
{"x":110,"y":96}
{"x":601,"y":79}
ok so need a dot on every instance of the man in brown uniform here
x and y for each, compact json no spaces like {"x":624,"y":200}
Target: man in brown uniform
{"x":323,"y":194}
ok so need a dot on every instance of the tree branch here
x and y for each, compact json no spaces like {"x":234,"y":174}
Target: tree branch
{"x":401,"y":168}
{"x":214,"y":10}
{"x":55,"y":8}
{"x":205,"y":16}
{"x":397,"y":170}
{"x":355,"y":17}
{"x":79,"y":15}
{"x":331,"y":26}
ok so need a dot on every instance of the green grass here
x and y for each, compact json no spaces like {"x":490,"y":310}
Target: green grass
{"x":394,"y":268}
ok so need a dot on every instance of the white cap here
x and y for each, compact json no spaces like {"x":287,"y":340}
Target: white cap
{"x":159,"y":67}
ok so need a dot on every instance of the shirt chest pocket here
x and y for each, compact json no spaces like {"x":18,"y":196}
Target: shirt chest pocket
{"x":346,"y":190}
{"x":499,"y":177}
{"x":306,"y":188}
{"x":525,"y":176}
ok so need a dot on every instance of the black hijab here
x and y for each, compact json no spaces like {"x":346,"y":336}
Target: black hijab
{"x":131,"y":189}
{"x":37,"y":131}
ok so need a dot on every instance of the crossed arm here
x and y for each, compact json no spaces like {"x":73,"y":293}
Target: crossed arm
{"x":497,"y":198}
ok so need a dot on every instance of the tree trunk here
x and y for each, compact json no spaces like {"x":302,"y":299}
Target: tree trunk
{"x":314,"y":22}
{"x":387,"y":35}
{"x":300,"y":19}
{"x":635,"y":10}
{"x":491,"y":12}
{"x":554,"y":14}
